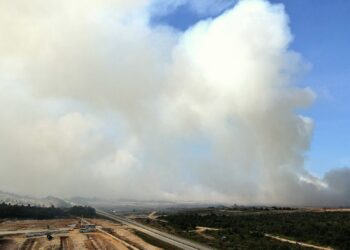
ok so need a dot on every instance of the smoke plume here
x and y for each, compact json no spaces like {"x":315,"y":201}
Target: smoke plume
{"x":97,"y":101}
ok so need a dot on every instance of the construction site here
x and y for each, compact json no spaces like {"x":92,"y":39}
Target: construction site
{"x":91,"y":234}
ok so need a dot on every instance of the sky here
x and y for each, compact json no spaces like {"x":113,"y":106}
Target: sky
{"x":322,"y":37}
{"x":324,"y":40}
{"x":181,"y":100}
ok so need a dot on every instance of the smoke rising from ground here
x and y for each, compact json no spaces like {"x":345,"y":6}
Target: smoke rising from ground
{"x":96,"y":101}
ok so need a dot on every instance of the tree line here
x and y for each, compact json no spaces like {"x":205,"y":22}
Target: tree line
{"x":8,"y":211}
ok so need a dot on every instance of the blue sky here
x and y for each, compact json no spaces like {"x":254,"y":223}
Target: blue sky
{"x":322,"y":35}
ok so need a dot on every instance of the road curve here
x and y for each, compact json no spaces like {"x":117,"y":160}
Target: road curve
{"x":165,"y":237}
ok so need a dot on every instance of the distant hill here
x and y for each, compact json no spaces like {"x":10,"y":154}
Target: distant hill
{"x":123,"y":205}
{"x":120,"y":204}
{"x":16,"y":199}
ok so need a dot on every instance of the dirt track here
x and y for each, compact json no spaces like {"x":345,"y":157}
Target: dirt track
{"x":66,"y":243}
{"x":28,"y":244}
{"x":297,"y":242}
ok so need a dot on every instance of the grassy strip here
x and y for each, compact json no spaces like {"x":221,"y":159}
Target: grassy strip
{"x":155,"y":242}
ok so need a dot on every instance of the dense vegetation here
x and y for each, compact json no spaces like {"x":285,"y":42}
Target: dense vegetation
{"x":247,"y":230}
{"x":39,"y":213}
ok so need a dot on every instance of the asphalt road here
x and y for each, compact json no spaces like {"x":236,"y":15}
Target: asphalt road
{"x":165,"y":237}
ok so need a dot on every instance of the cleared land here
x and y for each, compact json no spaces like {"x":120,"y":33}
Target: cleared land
{"x":109,"y":235}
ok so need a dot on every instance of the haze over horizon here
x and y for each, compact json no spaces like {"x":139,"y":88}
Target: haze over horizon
{"x":107,"y":99}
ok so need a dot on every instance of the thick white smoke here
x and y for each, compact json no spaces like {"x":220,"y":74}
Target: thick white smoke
{"x":98,"y":102}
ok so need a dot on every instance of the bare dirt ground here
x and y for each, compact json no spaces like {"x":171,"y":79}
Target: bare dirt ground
{"x":101,"y":241}
{"x":124,"y":234}
{"x":7,"y":244}
{"x":109,"y":236}
{"x":35,"y":224}
{"x":202,"y":232}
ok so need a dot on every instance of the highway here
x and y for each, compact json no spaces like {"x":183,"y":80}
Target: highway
{"x":165,"y":237}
